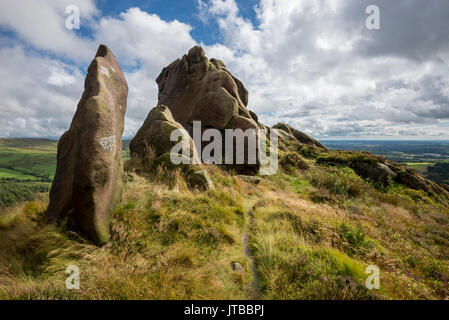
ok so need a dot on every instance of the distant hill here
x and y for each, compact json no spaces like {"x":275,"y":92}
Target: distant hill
{"x":27,"y":143}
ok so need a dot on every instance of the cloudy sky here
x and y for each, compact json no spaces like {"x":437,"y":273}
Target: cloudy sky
{"x":310,"y":63}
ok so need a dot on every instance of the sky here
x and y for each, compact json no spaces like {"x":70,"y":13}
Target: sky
{"x":312,"y":64}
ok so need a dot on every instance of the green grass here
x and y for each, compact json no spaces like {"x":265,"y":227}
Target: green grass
{"x":28,"y":159}
{"x":419,"y":166}
{"x":8,"y":173}
{"x":299,"y":234}
{"x":13,"y":192}
{"x":166,"y":244}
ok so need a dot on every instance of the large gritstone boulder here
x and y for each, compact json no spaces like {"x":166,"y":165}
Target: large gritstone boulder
{"x":154,"y":135}
{"x":88,"y":180}
{"x":195,"y":88}
{"x":153,"y":142}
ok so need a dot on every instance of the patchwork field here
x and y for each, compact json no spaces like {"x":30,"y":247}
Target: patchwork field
{"x":28,"y":159}
{"x":28,"y":166}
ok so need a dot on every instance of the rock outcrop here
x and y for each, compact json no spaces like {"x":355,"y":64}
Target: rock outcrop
{"x":155,"y":134}
{"x":379,"y":170}
{"x":195,"y":88}
{"x":153,"y":141}
{"x":292,"y":134}
{"x":414,"y":180}
{"x":88,"y":180}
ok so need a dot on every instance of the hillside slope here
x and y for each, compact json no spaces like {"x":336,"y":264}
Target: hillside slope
{"x":307,"y":232}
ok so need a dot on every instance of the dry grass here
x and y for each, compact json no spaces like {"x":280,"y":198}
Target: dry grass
{"x":169,"y":242}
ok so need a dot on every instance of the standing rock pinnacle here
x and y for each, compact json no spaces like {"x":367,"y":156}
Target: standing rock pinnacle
{"x":89,"y":174}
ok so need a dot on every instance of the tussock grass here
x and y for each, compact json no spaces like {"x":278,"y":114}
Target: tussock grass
{"x":310,"y":235}
{"x":167,"y":243}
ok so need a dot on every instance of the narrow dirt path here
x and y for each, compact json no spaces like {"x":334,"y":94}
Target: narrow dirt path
{"x":249,"y":216}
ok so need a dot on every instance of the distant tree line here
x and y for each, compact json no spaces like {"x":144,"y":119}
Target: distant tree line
{"x":45,"y":178}
{"x":38,"y":176}
{"x":439,"y":172}
{"x":11,"y":193}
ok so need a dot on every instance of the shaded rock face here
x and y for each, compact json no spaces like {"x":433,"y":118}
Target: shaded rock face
{"x":290,"y":133}
{"x":383,"y":172}
{"x":413,"y":180}
{"x":377,"y":172}
{"x":195,"y":88}
{"x":88,"y":179}
{"x":153,"y":139}
{"x":155,"y":134}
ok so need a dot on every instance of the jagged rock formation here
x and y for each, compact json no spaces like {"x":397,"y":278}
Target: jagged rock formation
{"x":414,"y":180}
{"x":153,"y":141}
{"x":88,"y":180}
{"x":155,"y":134}
{"x":292,"y":134}
{"x":195,"y":88}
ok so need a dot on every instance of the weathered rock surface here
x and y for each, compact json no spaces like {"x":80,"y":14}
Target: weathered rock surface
{"x":200,"y":179}
{"x":153,"y":140}
{"x":237,"y":267}
{"x":414,"y":180}
{"x":155,"y":134}
{"x":374,"y":171}
{"x":195,"y":88}
{"x":293,"y":134}
{"x":88,"y":179}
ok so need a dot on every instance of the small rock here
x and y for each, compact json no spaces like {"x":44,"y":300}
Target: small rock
{"x":200,"y":179}
{"x":237,"y":267}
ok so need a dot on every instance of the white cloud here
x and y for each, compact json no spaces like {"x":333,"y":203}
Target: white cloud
{"x":41,"y":23}
{"x":35,"y":88}
{"x":312,"y":64}
{"x":41,"y":94}
{"x":305,"y":63}
{"x":142,"y":38}
{"x":147,"y":44}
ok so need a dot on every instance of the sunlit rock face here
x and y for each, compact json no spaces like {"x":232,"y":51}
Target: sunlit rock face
{"x":88,"y":180}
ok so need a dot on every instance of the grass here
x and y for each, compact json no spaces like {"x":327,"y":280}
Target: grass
{"x":166,"y":244}
{"x":299,"y":234}
{"x":9,"y":173}
{"x":421,"y":167}
{"x":28,"y":159}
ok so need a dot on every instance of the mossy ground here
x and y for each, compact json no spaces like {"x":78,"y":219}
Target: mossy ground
{"x":310,"y":234}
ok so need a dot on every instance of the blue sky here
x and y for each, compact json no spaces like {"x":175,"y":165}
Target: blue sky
{"x":185,"y":11}
{"x":312,"y":64}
